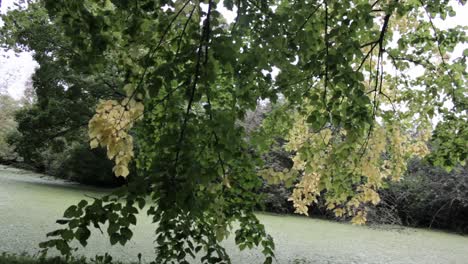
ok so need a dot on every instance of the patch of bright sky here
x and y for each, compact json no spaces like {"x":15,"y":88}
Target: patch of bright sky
{"x":21,"y":66}
{"x":17,"y":68}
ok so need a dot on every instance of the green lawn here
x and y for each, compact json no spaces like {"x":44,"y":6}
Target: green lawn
{"x":29,"y":206}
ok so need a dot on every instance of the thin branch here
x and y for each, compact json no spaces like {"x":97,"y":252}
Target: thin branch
{"x":205,"y":34}
{"x":439,"y":44}
{"x":66,"y":131}
{"x":369,"y":44}
{"x":367,"y":55}
{"x":207,"y":91}
{"x":184,"y":29}
{"x":424,"y":63}
{"x":112,"y":87}
{"x":236,"y":22}
{"x":307,"y":20}
{"x":437,"y":213}
{"x":379,"y":41}
{"x":390,"y":100}
{"x":379,"y":76}
{"x":326,"y":55}
{"x":152,"y":52}
{"x":375,"y":3}
{"x":435,"y":32}
{"x":150,"y":55}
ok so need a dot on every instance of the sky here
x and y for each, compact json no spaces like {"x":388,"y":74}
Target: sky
{"x":21,"y":66}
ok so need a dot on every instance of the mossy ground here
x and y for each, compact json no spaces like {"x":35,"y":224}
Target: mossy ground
{"x":29,"y":206}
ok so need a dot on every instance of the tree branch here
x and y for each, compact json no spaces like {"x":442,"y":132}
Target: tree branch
{"x":205,"y":34}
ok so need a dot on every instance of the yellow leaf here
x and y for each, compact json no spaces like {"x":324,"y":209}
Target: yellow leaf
{"x":359,"y":218}
{"x":226,"y":182}
{"x":94,"y":143}
{"x":339,"y":212}
{"x":121,"y":171}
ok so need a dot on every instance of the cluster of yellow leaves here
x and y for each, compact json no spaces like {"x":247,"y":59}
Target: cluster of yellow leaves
{"x":402,"y":146}
{"x":359,"y":218}
{"x":316,"y":165}
{"x":276,"y":177}
{"x":306,"y":193}
{"x":369,"y":166}
{"x":419,"y":147}
{"x":308,"y":189}
{"x":397,"y":162}
{"x":110,"y":127}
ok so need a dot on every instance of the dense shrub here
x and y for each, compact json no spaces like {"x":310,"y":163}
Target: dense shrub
{"x":62,"y":152}
{"x":276,"y":196}
{"x":6,"y":258}
{"x":74,"y":161}
{"x":427,"y":196}
{"x":90,"y":167}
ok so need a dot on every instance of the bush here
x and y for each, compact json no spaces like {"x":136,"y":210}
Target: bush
{"x":50,"y":142}
{"x":276,"y":196}
{"x":426,"y":197}
{"x":6,"y":258}
{"x":90,"y":167}
{"x":24,"y":259}
{"x":75,"y":162}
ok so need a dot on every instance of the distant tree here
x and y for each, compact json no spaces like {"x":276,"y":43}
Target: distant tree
{"x":60,"y":99}
{"x":29,"y":97}
{"x":8,"y":106}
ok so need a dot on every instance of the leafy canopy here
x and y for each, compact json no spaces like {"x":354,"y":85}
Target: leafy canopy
{"x":351,"y":108}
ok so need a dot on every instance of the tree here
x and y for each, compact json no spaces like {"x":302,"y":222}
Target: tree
{"x":7,"y":126}
{"x":58,"y":101}
{"x":189,"y":76}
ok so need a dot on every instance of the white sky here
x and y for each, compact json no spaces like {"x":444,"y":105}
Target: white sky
{"x":22,"y":65}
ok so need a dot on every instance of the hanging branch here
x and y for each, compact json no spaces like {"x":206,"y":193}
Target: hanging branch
{"x":439,"y":44}
{"x":379,"y":41}
{"x":152,"y":52}
{"x":326,"y":55}
{"x":379,"y":75}
{"x":204,"y":39}
{"x":207,"y":92}
{"x":184,"y":29}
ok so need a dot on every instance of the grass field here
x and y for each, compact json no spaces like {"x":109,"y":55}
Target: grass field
{"x":30,"y":203}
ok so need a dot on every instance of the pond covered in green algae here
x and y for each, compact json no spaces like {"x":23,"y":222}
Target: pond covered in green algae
{"x":30,"y":204}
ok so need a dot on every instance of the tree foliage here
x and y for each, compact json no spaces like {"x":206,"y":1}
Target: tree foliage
{"x":59,"y":101}
{"x":188,"y":76}
{"x":8,"y":106}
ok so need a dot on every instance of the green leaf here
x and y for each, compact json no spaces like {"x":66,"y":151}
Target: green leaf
{"x":82,"y":203}
{"x":114,"y":238}
{"x":71,"y":212}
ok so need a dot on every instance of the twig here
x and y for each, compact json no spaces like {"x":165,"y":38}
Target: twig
{"x":206,"y":32}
